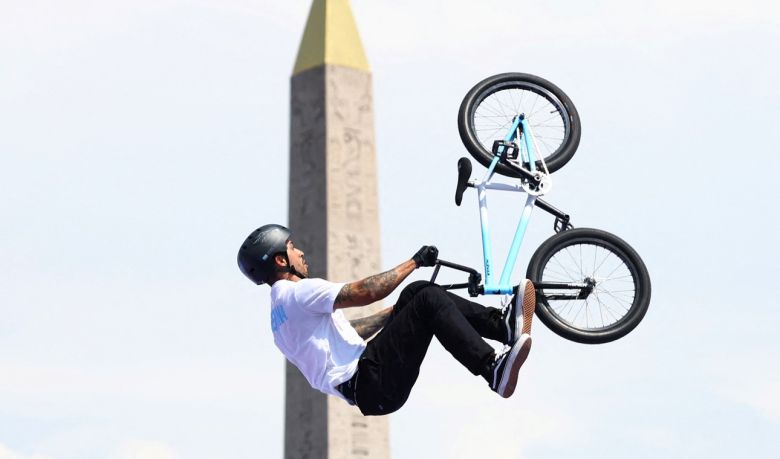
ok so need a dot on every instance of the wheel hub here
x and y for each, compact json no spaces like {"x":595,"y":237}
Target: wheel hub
{"x":590,"y":284}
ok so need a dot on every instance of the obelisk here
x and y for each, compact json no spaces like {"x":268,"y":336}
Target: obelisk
{"x":333,"y":213}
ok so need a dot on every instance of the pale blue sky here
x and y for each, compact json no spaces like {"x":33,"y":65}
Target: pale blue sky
{"x":141,"y":141}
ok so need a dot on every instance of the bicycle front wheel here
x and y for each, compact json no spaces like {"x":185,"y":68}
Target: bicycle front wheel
{"x":592,"y":287}
{"x":489,"y":109}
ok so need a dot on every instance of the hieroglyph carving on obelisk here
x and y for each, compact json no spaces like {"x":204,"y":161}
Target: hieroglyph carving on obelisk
{"x":333,"y":213}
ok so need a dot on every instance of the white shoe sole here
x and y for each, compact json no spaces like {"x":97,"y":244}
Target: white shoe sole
{"x":516,"y":358}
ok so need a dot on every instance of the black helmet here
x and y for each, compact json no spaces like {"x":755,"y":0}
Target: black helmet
{"x":256,"y":255}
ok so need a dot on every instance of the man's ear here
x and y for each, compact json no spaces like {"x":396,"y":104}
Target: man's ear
{"x":280,"y":260}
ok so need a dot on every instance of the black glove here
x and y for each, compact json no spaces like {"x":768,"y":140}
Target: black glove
{"x":426,"y":256}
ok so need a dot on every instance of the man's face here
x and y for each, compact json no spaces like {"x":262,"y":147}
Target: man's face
{"x":296,"y":258}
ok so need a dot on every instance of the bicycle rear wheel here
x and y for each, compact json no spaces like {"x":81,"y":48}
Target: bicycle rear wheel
{"x":592,"y":287}
{"x":488,"y":110}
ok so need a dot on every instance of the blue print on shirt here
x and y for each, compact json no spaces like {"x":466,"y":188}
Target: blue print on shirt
{"x":278,"y":317}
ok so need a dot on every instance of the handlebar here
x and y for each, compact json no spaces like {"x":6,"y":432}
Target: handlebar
{"x":473,"y":284}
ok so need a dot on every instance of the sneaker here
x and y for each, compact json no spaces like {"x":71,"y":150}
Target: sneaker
{"x":507,"y":366}
{"x":520,"y":309}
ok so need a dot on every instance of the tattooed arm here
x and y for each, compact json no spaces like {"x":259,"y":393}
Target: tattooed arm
{"x":368,"y":326}
{"x":374,"y":288}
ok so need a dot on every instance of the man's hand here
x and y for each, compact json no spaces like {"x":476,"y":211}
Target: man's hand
{"x":426,"y":256}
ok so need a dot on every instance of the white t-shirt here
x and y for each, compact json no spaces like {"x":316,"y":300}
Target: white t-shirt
{"x":314,"y":338}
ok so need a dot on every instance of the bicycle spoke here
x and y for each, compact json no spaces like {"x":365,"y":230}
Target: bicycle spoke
{"x":544,"y":138}
{"x":606,"y":256}
{"x":575,"y":262}
{"x":493,"y":135}
{"x":619,"y":278}
{"x":567,"y":305}
{"x":536,"y":100}
{"x":533,"y":114}
{"x":492,"y":124}
{"x":561,"y":276}
{"x":613,"y":271}
{"x":508,"y":107}
{"x":609,"y":310}
{"x":514,"y":104}
{"x":601,"y":310}
{"x":571,"y":277}
{"x":585,"y":304}
{"x":621,"y":302}
{"x":497,"y":112}
{"x":555,"y":116}
{"x":545,"y":144}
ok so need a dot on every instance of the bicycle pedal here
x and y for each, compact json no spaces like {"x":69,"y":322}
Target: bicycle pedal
{"x":507,"y":150}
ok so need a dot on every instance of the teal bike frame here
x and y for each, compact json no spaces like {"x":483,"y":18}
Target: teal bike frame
{"x":504,"y":286}
{"x":534,"y":183}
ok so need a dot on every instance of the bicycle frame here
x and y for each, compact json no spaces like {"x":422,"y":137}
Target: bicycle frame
{"x":504,"y":285}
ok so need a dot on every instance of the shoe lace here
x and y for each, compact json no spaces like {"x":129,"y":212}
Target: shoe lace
{"x":506,"y":301}
{"x":505,"y":348}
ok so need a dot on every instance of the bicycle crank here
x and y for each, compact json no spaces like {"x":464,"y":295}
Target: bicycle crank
{"x":540,"y":184}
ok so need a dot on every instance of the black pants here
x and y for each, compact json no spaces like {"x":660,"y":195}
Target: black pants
{"x":389,"y":367}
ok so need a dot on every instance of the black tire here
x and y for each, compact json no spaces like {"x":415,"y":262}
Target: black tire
{"x":579,"y":255}
{"x":561,"y":118}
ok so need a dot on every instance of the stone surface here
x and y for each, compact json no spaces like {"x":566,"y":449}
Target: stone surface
{"x":334,"y":217}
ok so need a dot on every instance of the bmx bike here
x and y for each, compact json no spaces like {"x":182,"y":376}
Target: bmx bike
{"x":591,"y":286}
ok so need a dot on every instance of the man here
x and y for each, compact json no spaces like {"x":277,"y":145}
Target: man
{"x":311,"y":331}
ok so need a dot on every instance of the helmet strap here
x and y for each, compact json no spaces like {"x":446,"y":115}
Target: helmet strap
{"x":295,"y":272}
{"x":291,"y":269}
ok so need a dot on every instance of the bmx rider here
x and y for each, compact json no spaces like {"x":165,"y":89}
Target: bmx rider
{"x":378,"y":375}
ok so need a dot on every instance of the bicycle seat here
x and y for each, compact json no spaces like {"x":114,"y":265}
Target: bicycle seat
{"x":464,"y":173}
